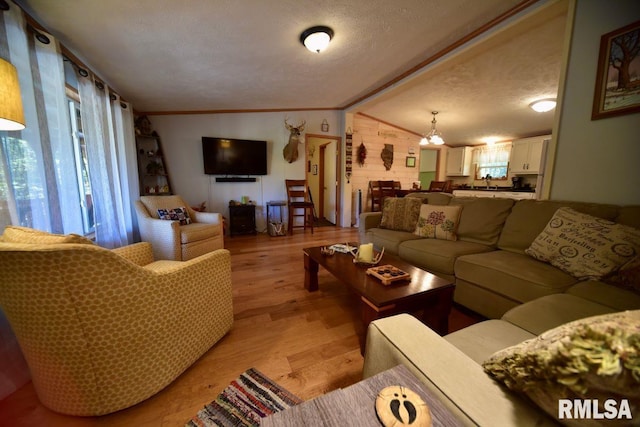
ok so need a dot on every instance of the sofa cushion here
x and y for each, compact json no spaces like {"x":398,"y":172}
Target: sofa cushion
{"x":482,"y":218}
{"x":390,"y":240}
{"x":17,"y":234}
{"x":593,"y":358}
{"x":551,"y":311}
{"x":529,"y":217}
{"x":400,"y":214}
{"x":515,"y":276}
{"x":481,"y":340}
{"x":585,"y":246}
{"x":438,"y":222}
{"x":438,"y":256}
{"x":605,"y":294}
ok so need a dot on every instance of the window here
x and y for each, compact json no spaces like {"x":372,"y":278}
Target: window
{"x":493,"y":161}
{"x":82,"y":167}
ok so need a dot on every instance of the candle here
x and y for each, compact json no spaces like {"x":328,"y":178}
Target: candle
{"x":365,"y":252}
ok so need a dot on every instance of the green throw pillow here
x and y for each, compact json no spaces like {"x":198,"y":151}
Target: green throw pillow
{"x":592,"y":358}
{"x":400,"y":214}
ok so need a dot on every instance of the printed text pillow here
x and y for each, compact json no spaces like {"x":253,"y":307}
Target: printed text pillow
{"x":585,"y":246}
{"x":438,"y":222}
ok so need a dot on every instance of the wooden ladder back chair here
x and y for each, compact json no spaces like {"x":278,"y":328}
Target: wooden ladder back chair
{"x":440,"y":186}
{"x":387,"y":189}
{"x":299,"y":204}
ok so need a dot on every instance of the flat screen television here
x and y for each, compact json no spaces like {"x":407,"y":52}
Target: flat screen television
{"x":227,"y":156}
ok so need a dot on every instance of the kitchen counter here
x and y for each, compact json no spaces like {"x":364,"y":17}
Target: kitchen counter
{"x":506,"y":193}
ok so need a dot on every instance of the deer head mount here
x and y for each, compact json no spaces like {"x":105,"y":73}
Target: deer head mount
{"x":290,"y":151}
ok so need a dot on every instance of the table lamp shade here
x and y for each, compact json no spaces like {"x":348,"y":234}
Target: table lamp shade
{"x":11,"y":113}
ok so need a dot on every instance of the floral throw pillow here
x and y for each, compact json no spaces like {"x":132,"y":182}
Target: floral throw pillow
{"x":400,"y":214}
{"x":438,"y":222}
{"x":176,"y":214}
{"x":585,"y":246}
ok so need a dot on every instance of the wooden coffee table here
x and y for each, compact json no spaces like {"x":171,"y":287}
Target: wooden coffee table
{"x":427,"y":292}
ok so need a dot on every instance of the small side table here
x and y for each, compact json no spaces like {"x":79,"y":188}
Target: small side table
{"x":275,"y":228}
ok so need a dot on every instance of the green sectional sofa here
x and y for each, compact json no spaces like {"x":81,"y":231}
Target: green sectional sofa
{"x":492,"y":272}
{"x":521,"y":297}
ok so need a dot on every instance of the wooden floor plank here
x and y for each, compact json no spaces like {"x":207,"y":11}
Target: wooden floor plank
{"x":306,"y":341}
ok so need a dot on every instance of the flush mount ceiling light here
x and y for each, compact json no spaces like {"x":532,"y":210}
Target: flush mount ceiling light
{"x":543,"y":105}
{"x":433,"y":137}
{"x":316,"y":39}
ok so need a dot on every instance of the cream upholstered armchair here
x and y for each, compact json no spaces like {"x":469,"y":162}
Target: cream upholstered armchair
{"x":101,"y":329}
{"x":173,"y":240}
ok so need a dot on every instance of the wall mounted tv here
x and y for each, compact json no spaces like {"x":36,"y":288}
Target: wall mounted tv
{"x":226,"y":156}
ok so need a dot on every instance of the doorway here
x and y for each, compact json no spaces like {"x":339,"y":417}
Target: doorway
{"x":323,"y":162}
{"x":428,"y":166}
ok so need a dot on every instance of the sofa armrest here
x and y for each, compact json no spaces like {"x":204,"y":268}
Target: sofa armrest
{"x":368,"y":220}
{"x":138,"y":253}
{"x":461,"y":384}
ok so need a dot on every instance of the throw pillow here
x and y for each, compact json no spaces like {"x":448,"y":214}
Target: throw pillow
{"x":585,"y":246}
{"x":593,"y":358}
{"x":438,"y":222}
{"x":176,"y":214}
{"x":17,"y":234}
{"x":628,"y":277}
{"x":400,"y":214}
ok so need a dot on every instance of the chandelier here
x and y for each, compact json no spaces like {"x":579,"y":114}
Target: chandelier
{"x":433,"y":137}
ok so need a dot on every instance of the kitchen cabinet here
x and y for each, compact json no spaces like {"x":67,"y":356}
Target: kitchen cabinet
{"x":517,"y":195}
{"x":459,"y":161}
{"x":152,"y":169}
{"x":527,"y":155}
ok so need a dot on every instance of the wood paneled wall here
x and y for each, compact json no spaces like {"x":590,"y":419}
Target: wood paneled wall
{"x":375,"y":135}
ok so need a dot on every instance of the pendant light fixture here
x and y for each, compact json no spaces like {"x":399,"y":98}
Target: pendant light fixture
{"x":11,"y":113}
{"x":316,"y":39}
{"x":433,"y":137}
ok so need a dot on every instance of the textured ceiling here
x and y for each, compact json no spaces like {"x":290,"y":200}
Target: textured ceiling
{"x":209,"y":55}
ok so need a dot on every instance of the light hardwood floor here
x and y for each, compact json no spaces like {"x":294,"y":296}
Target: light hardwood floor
{"x":305,"y":341}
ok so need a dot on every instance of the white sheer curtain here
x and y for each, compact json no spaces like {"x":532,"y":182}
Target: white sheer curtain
{"x":108,"y":130}
{"x":36,"y":189}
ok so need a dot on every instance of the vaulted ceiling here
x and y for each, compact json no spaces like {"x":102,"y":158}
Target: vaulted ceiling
{"x":224,"y":55}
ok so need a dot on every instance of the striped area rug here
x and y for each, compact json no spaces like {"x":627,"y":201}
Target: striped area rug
{"x":248,"y":399}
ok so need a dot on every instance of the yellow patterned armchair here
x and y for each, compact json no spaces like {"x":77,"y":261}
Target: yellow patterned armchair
{"x":171,"y":239}
{"x":101,"y":329}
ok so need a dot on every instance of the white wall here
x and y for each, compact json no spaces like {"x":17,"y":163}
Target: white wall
{"x":597,"y":161}
{"x":182,"y":144}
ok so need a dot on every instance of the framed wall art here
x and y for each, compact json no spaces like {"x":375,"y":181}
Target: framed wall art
{"x":411,"y":162}
{"x":617,"y":89}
